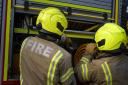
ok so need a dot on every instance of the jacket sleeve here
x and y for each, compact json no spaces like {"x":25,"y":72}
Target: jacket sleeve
{"x":67,"y":72}
{"x":85,"y":70}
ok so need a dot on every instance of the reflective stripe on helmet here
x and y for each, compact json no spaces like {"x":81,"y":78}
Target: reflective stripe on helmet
{"x":107,"y":73}
{"x":52,"y":67}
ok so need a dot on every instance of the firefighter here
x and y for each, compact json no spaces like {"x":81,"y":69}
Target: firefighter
{"x":110,"y":66}
{"x":42,"y":60}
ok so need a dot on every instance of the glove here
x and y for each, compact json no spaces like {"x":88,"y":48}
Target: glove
{"x":90,"y":48}
{"x":90,"y":51}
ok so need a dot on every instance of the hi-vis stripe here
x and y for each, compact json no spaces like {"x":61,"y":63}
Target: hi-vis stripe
{"x":52,"y":68}
{"x":69,"y":72}
{"x":84,"y":71}
{"x":84,"y":60}
{"x":107,"y":73}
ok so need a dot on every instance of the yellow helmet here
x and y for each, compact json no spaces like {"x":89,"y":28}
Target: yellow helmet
{"x":52,"y":20}
{"x":110,"y":36}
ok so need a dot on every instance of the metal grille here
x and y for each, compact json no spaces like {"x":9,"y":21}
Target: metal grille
{"x":105,"y":4}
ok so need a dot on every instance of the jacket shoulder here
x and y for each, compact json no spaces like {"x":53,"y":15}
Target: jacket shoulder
{"x":97,"y":62}
{"x":53,"y":45}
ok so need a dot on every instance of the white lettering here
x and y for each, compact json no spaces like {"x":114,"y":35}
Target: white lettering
{"x":30,"y":43}
{"x":39,"y":48}
{"x":47,"y":51}
{"x":34,"y":46}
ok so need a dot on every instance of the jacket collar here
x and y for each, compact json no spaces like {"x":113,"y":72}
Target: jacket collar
{"x":107,"y":54}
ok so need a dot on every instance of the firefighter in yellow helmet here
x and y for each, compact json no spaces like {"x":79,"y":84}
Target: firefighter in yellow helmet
{"x":42,"y":60}
{"x":110,"y":66}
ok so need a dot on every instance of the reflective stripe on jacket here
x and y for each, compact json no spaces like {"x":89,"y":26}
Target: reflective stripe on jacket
{"x":44,"y":63}
{"x":104,"y":71}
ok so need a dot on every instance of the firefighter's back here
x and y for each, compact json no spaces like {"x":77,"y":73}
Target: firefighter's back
{"x":111,"y":70}
{"x":40,"y":61}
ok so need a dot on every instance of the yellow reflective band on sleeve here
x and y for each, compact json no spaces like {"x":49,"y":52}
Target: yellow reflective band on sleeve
{"x":107,"y":73}
{"x":84,"y":71}
{"x":52,"y":67}
{"x":21,"y":80}
{"x":106,"y":76}
{"x":85,"y":60}
{"x":67,"y":75}
{"x":82,"y":66}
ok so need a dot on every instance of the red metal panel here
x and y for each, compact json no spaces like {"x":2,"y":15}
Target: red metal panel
{"x":12,"y":82}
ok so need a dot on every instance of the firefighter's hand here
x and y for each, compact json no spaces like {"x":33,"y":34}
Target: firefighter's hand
{"x":90,"y":48}
{"x":90,"y":51}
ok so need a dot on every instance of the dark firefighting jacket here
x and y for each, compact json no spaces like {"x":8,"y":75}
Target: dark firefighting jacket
{"x":107,"y":70}
{"x":42,"y":62}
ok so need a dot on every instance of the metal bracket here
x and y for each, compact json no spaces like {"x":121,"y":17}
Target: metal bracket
{"x":26,"y":5}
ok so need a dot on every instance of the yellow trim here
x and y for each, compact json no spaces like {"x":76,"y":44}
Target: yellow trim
{"x":116,"y":11}
{"x":106,"y":77}
{"x":109,"y":73}
{"x":21,"y":80}
{"x":91,"y":28}
{"x":82,"y":66}
{"x":55,"y":65}
{"x":7,"y":39}
{"x":86,"y":72}
{"x":52,"y":67}
{"x":72,"y":72}
{"x":66,"y":76}
{"x":85,"y":60}
{"x":72,"y":5}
